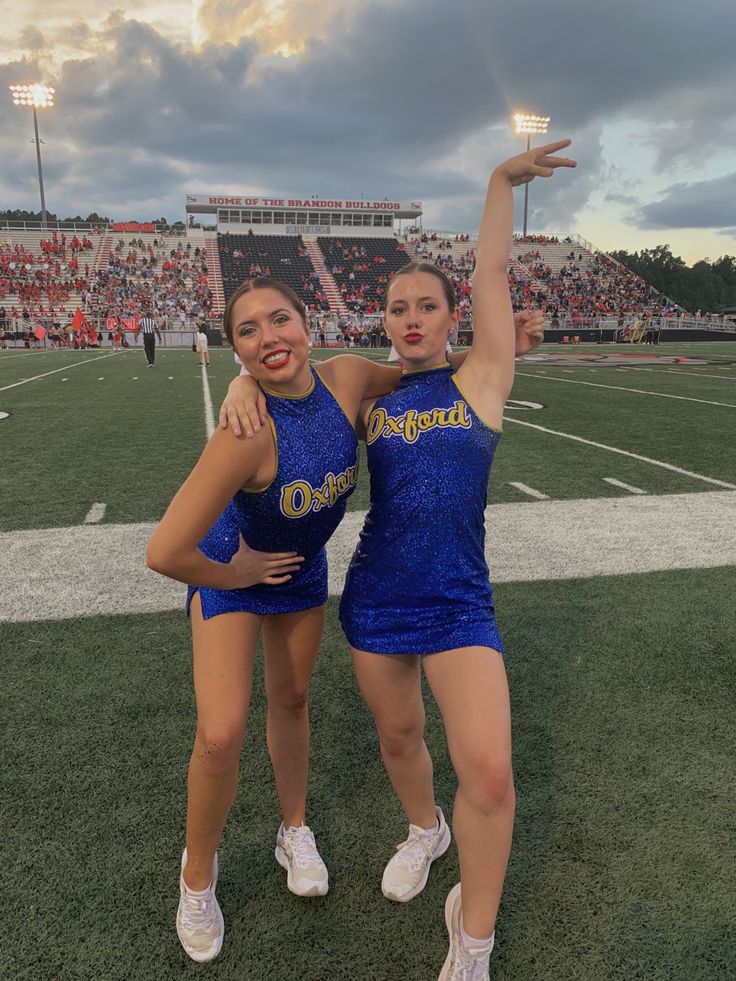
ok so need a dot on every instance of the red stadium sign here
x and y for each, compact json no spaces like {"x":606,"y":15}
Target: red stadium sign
{"x":133,"y":226}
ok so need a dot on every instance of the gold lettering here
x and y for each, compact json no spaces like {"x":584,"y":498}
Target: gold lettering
{"x":296,"y":499}
{"x":458,"y":416}
{"x":411,"y":431}
{"x":376,"y":422}
{"x":332,"y":491}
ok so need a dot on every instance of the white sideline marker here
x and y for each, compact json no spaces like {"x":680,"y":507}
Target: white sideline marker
{"x":623,"y":486}
{"x":95,"y":514}
{"x":209,"y":418}
{"x":528,"y":541}
{"x":529,"y":491}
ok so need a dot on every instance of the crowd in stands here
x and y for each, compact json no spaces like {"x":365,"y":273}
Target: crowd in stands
{"x":443,"y":243}
{"x":588,"y":287}
{"x":362,"y":268}
{"x":541,"y":239}
{"x":168,"y":283}
{"x":43,"y":282}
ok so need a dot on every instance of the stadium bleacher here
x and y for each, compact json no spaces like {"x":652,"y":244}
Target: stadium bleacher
{"x":282,"y":257}
{"x":362,"y":267}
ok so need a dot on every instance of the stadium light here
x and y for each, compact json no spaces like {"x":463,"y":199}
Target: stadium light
{"x":37,"y":97}
{"x":524,"y":123}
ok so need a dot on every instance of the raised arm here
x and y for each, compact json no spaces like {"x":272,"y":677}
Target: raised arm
{"x":226,"y":464}
{"x":488,"y":372}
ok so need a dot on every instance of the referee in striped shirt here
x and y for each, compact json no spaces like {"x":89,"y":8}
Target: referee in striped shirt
{"x":150,"y":330}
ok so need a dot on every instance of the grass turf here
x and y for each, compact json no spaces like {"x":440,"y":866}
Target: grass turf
{"x":625,"y":840}
{"x":130,"y":439}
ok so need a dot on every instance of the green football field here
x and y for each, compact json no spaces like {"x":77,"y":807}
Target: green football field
{"x":612,"y":543}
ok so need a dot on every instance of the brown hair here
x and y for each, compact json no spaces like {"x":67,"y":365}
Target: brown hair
{"x":261,"y":283}
{"x":425,"y":267}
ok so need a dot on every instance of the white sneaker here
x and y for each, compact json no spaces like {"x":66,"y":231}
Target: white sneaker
{"x":297,"y":852}
{"x":462,"y":964}
{"x":199,"y":921}
{"x":406,"y":874}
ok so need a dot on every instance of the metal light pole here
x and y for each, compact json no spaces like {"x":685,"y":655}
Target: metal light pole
{"x":524,"y":123}
{"x":37,"y":97}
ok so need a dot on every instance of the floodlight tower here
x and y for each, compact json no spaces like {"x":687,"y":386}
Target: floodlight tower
{"x":37,"y":97}
{"x":524,"y":123}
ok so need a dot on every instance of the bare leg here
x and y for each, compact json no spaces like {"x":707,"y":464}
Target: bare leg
{"x":392,"y":690}
{"x":224,"y":652}
{"x":470,"y":687}
{"x":291,"y":642}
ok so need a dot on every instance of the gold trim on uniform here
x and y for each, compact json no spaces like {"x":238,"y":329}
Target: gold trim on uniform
{"x":457,"y":386}
{"x":434,"y":367}
{"x":282,"y":395}
{"x":261,"y":490}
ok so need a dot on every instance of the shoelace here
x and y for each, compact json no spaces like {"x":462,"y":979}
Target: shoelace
{"x":465,"y":966}
{"x":304,"y":847}
{"x":415,"y":850}
{"x":197,"y":914}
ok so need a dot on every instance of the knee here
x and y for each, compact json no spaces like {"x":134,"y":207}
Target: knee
{"x":288,"y":701}
{"x":218,"y":749}
{"x":489,"y":784}
{"x":401,"y":738}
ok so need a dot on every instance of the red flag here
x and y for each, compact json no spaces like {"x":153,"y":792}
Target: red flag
{"x":40,"y":332}
{"x":77,"y":319}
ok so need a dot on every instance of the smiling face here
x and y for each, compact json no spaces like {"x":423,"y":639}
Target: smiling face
{"x":270,"y":337}
{"x":419,"y":319}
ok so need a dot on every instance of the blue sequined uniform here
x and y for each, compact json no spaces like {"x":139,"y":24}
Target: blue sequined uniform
{"x":418,"y":582}
{"x":317,"y":466}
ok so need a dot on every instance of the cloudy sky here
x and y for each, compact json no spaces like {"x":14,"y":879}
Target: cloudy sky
{"x":406,"y":99}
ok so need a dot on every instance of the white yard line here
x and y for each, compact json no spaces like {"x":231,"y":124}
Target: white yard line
{"x":65,"y":368}
{"x":95,"y":514}
{"x":675,"y":371}
{"x":16,"y":357}
{"x":209,"y":418}
{"x":529,"y":491}
{"x":695,"y":374}
{"x":638,"y":391}
{"x":623,"y":486}
{"x":528,"y":541}
{"x":615,"y":449}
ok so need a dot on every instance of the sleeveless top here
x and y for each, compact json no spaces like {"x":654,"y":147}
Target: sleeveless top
{"x":316,"y":472}
{"x":418,"y":581}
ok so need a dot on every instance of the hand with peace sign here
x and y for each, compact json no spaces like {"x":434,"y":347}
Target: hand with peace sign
{"x":537,"y":162}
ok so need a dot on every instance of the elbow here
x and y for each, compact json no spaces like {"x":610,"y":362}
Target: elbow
{"x":156,"y":558}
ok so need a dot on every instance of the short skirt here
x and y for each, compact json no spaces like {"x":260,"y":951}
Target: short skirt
{"x":307,"y":588}
{"x":385,"y":628}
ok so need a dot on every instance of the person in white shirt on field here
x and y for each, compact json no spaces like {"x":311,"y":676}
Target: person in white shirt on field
{"x":202,"y":347}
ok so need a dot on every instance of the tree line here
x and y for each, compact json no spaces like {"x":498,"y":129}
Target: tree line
{"x":706,"y":286}
{"x":91,"y":219}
